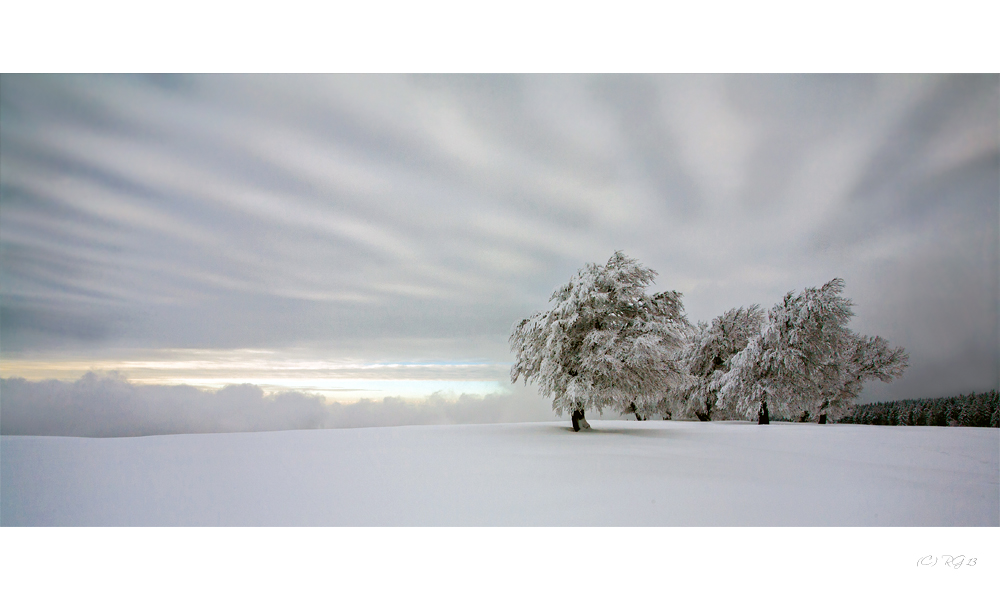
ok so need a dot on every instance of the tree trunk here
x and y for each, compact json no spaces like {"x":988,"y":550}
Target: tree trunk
{"x":762,"y":417}
{"x":822,"y":419}
{"x":634,"y":410}
{"x":579,"y":421}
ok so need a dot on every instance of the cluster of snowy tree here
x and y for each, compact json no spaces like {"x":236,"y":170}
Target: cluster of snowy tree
{"x":606,"y":344}
{"x":972,"y":410}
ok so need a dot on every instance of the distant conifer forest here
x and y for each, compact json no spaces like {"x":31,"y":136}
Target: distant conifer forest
{"x":970,"y":410}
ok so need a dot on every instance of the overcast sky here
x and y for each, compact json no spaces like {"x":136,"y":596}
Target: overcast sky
{"x":399,"y":226}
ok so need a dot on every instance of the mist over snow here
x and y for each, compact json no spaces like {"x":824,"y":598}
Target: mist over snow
{"x":417,"y":218}
{"x":110,"y":406}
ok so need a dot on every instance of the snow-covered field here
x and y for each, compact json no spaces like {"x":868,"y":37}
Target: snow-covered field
{"x":624,"y":473}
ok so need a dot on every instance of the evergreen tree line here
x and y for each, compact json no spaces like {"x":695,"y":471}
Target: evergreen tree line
{"x":970,"y":410}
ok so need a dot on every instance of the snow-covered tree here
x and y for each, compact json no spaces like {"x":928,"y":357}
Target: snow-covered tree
{"x":838,"y":379}
{"x":805,"y":361}
{"x":706,"y":357}
{"x":604,"y":344}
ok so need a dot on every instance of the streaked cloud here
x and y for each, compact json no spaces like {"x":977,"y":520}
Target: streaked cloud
{"x":389,"y":219}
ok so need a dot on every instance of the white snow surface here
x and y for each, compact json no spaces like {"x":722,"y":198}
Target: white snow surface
{"x":621,"y":473}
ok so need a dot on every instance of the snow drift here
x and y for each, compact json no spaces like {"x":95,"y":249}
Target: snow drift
{"x":652,"y":473}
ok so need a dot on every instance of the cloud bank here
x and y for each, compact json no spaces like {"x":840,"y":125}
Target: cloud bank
{"x":107,"y":405}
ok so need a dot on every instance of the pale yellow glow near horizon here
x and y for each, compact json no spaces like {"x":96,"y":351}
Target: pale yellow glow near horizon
{"x":295,"y":370}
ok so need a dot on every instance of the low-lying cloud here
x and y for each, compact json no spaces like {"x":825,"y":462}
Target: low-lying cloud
{"x":108,"y":405}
